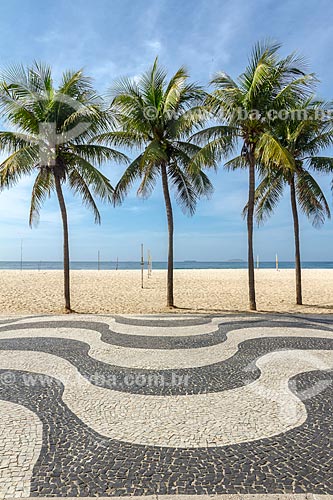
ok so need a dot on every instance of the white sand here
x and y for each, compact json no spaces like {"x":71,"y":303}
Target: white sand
{"x":209,"y":291}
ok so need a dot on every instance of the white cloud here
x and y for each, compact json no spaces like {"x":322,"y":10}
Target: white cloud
{"x":50,"y":36}
{"x":154,"y":45}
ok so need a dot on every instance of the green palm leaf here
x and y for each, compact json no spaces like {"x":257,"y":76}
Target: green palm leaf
{"x":311,"y":198}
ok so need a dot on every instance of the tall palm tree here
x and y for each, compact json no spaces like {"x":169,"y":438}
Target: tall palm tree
{"x":156,"y":118}
{"x":304,"y":138}
{"x":243,"y":109}
{"x":51,"y":137}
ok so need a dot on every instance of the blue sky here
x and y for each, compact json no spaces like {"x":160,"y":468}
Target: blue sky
{"x":109,"y":38}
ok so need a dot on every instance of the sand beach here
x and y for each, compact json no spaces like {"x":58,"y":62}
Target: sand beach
{"x":196,"y":291}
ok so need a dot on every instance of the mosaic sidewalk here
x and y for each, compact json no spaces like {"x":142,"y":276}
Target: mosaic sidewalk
{"x":166,"y":405}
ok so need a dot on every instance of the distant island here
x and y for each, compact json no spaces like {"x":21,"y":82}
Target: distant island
{"x":236,"y":260}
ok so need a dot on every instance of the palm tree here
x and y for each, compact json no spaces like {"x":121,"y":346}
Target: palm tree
{"x":243,"y":109}
{"x":156,"y":118}
{"x":304,"y":138}
{"x":51,"y":136}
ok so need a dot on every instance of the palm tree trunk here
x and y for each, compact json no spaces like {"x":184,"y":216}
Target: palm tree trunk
{"x":297,"y":242}
{"x":66,"y":243}
{"x":250,"y":211}
{"x":169,"y":213}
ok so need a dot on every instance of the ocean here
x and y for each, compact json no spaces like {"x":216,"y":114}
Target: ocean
{"x":190,"y":264}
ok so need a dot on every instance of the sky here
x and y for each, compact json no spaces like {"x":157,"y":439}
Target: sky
{"x":112,"y":38}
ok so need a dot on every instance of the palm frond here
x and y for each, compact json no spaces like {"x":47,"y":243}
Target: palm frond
{"x":321,"y":164}
{"x":13,"y":141}
{"x":269,"y":151}
{"x":17,"y":165}
{"x":311,"y":198}
{"x":132,"y":173}
{"x":129,"y":139}
{"x":267,"y":195}
{"x":75,"y":83}
{"x":98,"y":183}
{"x":80,"y":187}
{"x":42,"y":188}
{"x":96,"y":153}
{"x":214,"y":151}
{"x":184,"y":125}
{"x":223,"y":132}
{"x":186,"y":195}
{"x":148,"y":182}
{"x":173,"y":90}
{"x":236,"y":163}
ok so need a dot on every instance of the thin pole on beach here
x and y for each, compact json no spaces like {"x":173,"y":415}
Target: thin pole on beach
{"x":21,"y":254}
{"x":99,"y":260}
{"x":142,"y":265}
{"x":117,"y":263}
{"x":276,"y":262}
